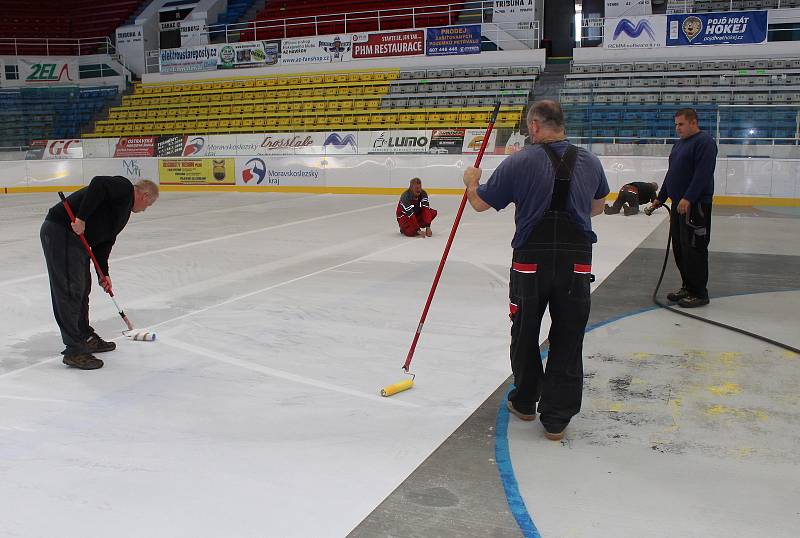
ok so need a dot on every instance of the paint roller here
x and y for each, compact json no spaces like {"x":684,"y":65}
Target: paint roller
{"x":134,"y":334}
{"x":409,"y":383}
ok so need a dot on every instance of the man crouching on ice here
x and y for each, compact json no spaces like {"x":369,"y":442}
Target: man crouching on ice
{"x":414,"y":211}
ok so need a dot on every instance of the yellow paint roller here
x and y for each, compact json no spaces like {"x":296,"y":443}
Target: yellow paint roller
{"x":398,"y":387}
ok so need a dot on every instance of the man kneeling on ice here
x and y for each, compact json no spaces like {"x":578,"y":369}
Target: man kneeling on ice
{"x":414,"y":211}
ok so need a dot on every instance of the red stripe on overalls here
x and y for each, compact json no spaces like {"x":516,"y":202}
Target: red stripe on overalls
{"x":582,"y":268}
{"x":524,"y":267}
{"x":512,"y":310}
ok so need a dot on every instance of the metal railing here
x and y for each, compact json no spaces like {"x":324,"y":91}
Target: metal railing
{"x":373,"y":20}
{"x":689,"y":6}
{"x":34,"y":46}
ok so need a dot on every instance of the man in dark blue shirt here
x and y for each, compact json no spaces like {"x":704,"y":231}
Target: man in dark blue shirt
{"x":556,"y":188}
{"x":690,"y":184}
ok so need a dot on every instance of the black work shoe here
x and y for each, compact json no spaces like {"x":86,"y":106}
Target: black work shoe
{"x":518,"y":414}
{"x":691,"y":301}
{"x":676,"y":296}
{"x":630,"y":211}
{"x":609,"y":210}
{"x":84,"y":361}
{"x":98,"y":345}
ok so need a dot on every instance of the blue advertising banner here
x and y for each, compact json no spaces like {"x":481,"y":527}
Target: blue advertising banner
{"x":732,"y":28}
{"x":451,"y":40}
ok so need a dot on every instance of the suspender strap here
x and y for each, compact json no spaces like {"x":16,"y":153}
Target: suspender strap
{"x":563,"y":173}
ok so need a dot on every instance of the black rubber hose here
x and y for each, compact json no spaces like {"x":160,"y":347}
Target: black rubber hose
{"x":706,"y":320}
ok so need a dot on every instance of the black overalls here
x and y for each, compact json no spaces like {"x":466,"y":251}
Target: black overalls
{"x":552,"y":268}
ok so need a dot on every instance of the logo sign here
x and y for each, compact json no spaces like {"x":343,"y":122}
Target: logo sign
{"x":447,"y":141}
{"x":399,"y":142}
{"x":473,"y":138}
{"x":338,"y":143}
{"x":335,"y":48}
{"x":48,"y":71}
{"x":285,"y":144}
{"x":635,"y":32}
{"x":194,"y":146}
{"x":384,"y":45}
{"x":254,"y":170}
{"x":63,"y":149}
{"x":170,"y":145}
{"x":131,"y":168}
{"x":450,"y":40}
{"x":318,"y":49}
{"x":188,"y":59}
{"x":135,"y":146}
{"x":733,"y":28}
{"x":36,"y":150}
{"x":196,"y":171}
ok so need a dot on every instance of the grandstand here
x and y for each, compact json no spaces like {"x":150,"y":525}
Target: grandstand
{"x":376,"y":99}
{"x":634,"y":101}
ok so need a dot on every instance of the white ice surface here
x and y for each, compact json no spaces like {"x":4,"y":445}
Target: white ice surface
{"x":256,"y":412}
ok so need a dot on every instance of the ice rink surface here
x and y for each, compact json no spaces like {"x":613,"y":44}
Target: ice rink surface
{"x":256,"y":412}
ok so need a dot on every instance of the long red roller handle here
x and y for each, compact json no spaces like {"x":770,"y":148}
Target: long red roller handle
{"x":94,"y":260}
{"x":489,"y":128}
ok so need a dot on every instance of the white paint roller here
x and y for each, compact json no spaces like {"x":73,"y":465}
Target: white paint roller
{"x":140,"y":335}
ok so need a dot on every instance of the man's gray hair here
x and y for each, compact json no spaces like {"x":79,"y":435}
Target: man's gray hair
{"x":145,"y":185}
{"x":548,"y":114}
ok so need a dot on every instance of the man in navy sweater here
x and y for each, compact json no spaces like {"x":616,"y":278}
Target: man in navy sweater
{"x":690,"y":184}
{"x":102,"y":210}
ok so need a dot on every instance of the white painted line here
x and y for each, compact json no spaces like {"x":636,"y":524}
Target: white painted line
{"x":29,"y":399}
{"x":272,"y":372}
{"x":228,"y":301}
{"x":214,"y":239}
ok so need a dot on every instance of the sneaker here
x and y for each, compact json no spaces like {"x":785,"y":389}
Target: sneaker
{"x":84,"y":361}
{"x":609,"y":210}
{"x":630,"y":211}
{"x":98,"y":345}
{"x":518,"y":414}
{"x":690,"y":301}
{"x":676,"y":296}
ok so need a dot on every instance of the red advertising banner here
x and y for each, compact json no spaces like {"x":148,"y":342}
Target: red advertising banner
{"x":383,"y":45}
{"x":136,"y":146}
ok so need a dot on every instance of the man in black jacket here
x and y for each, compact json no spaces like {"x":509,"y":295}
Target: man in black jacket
{"x":631,"y":196}
{"x":102,"y":210}
{"x":689,"y":183}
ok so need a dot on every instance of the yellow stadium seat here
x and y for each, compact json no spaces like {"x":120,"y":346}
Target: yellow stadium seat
{"x":292,"y":81}
{"x":295,"y":106}
{"x":260,"y":83}
{"x":271,"y":108}
{"x":348,"y":121}
{"x":260,"y":122}
{"x":345,"y":105}
{"x":270,"y":122}
{"x":319,"y":106}
{"x":317,"y":79}
{"x":305,"y":80}
{"x":248,"y":123}
{"x":248,"y":109}
{"x":328,"y":78}
{"x":362,"y":120}
{"x":366,"y":77}
{"x":226,"y":84}
{"x":282,"y":94}
{"x":419,"y":119}
{"x":223,"y":109}
{"x":371,"y":103}
{"x":326,"y":92}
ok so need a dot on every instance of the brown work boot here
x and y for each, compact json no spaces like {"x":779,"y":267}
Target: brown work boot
{"x":520,"y":415}
{"x":98,"y":345}
{"x":428,"y":231}
{"x":553,"y":436}
{"x":83,"y":361}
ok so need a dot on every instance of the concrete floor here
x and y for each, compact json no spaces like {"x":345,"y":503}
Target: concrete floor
{"x":256,"y":412}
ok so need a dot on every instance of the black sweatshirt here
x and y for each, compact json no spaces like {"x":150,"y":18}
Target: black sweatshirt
{"x":645,"y":191}
{"x":691,"y":170}
{"x":105,"y":206}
